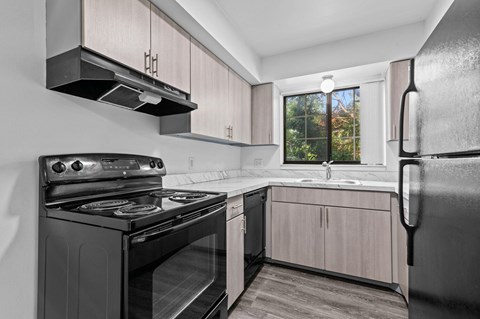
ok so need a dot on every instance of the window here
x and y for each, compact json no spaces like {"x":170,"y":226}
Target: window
{"x":322,"y":127}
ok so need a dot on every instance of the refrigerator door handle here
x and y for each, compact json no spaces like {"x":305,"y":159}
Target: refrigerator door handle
{"x":411,"y":88}
{"x":409,"y":228}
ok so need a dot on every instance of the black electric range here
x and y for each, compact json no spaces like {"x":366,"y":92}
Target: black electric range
{"x":113,"y":243}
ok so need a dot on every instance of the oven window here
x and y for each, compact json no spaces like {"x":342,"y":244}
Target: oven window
{"x":163,"y":289}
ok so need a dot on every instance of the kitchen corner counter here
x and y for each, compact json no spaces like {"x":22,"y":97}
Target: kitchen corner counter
{"x":239,"y":185}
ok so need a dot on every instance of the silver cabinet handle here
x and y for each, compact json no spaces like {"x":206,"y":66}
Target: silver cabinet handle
{"x":228,"y":132}
{"x":326,"y":216}
{"x":321,"y":217}
{"x":231,"y":134}
{"x":237,"y":206}
{"x":155,"y":65}
{"x":147,"y":60}
{"x":245,"y":224}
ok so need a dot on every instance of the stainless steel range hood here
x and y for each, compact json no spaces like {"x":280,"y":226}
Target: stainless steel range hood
{"x":85,"y":74}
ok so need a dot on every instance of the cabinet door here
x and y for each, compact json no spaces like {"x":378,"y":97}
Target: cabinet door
{"x":358,"y":243}
{"x":262,"y":114}
{"x":298,"y":234}
{"x":397,"y":83}
{"x":239,"y":108}
{"x":172,"y":45}
{"x":209,"y":89}
{"x":118,"y":29}
{"x":235,"y":235}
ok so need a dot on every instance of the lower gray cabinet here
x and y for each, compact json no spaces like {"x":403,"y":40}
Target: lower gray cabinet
{"x":297,"y":234}
{"x":235,"y":273}
{"x":345,"y":240}
{"x":358,"y":243}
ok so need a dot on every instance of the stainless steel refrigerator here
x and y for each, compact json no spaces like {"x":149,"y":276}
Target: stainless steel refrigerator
{"x":444,"y":209}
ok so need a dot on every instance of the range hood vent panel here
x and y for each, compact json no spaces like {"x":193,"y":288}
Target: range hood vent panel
{"x":82,"y":73}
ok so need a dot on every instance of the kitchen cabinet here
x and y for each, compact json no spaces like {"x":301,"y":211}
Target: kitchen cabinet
{"x":358,"y":243}
{"x":139,"y":35}
{"x":397,"y":80}
{"x":239,"y":108}
{"x":297,"y":234}
{"x":209,"y":89}
{"x":265,"y":114}
{"x":235,"y":249}
{"x":234,"y":206}
{"x":342,"y":231}
{"x":118,"y":29}
{"x":170,"y":49}
{"x":399,"y":245}
{"x":332,"y":197}
{"x":223,"y":98}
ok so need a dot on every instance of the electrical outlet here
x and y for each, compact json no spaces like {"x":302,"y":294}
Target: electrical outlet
{"x":191,"y":162}
{"x":258,"y":162}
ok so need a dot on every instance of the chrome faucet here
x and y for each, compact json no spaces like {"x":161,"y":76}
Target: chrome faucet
{"x":328,"y":171}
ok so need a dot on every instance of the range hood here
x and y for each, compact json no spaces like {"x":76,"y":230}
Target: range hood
{"x":85,"y":74}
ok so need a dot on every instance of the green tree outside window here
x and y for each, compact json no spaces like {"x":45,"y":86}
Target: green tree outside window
{"x":321,"y":127}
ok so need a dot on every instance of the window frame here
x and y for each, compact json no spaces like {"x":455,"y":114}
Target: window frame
{"x":329,"y":129}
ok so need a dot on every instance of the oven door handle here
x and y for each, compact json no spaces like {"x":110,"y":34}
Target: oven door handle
{"x":154,"y":235}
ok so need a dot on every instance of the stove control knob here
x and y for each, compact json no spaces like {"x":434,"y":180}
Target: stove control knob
{"x":160,"y":164}
{"x":152,"y":164}
{"x":59,"y":167}
{"x":77,"y":166}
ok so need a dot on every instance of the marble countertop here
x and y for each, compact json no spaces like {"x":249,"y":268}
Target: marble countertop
{"x":239,"y":185}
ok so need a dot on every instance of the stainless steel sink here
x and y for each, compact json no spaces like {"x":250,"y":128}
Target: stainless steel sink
{"x":332,"y":181}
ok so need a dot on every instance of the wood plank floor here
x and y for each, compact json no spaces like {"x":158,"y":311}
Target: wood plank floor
{"x":281,"y":293}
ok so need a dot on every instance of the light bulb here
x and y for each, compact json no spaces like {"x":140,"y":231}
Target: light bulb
{"x":327,"y":85}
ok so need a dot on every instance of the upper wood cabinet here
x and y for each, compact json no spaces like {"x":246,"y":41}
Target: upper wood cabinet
{"x":139,"y":35}
{"x":223,"y":98}
{"x":397,"y":80}
{"x":265,"y":114}
{"x":118,"y":29}
{"x":209,"y":89}
{"x":170,"y":49}
{"x":239,"y":108}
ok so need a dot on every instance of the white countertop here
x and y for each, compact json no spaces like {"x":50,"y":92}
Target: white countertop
{"x":239,"y":185}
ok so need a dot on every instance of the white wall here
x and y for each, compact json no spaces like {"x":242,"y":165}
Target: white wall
{"x":389,"y":45}
{"x":439,"y":10}
{"x":35,"y":121}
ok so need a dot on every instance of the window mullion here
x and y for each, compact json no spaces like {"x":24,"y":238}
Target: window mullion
{"x":329,"y":127}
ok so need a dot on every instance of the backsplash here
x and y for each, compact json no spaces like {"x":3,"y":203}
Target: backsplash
{"x":173,"y":180}
{"x":380,"y":176}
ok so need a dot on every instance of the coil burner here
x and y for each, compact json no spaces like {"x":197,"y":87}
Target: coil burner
{"x":187,"y":197}
{"x":137,"y":210}
{"x":163,"y":193}
{"x":105,"y":207}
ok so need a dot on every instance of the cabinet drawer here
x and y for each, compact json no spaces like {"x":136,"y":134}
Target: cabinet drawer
{"x":329,"y":197}
{"x":234,"y":206}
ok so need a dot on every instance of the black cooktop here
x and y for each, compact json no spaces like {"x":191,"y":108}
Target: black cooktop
{"x":135,"y":211}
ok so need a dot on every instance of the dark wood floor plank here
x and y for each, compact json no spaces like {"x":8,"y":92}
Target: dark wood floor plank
{"x":281,"y":293}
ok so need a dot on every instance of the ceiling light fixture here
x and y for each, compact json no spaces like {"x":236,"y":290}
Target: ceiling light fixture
{"x":327,"y":85}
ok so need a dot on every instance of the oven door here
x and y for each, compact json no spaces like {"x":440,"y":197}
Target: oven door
{"x":176,"y":269}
